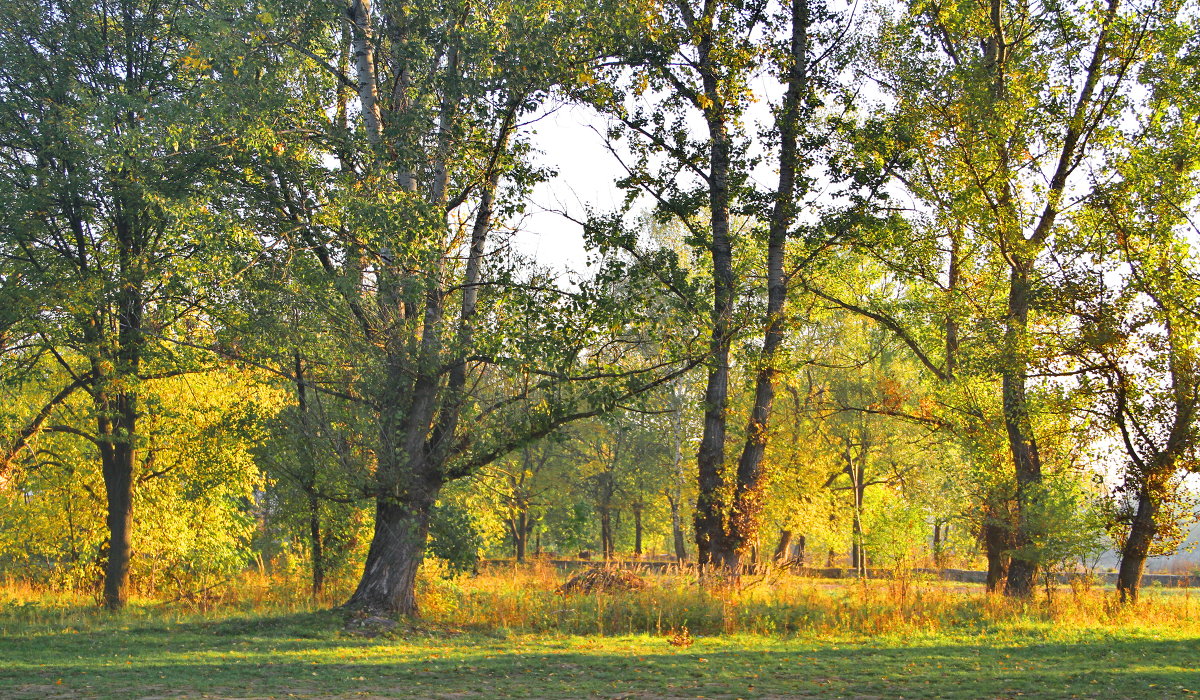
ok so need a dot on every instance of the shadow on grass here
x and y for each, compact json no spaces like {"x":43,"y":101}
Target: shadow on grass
{"x":309,"y":655}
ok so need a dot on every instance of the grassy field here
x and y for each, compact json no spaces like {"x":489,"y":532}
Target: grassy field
{"x":1080,"y":646}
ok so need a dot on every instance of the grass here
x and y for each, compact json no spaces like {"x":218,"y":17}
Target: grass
{"x":495,"y":636}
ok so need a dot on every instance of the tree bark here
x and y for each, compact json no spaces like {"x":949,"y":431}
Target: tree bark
{"x":1142,"y":531}
{"x":397,"y":549}
{"x":519,"y":529}
{"x":314,"y":536}
{"x":997,"y":539}
{"x":782,"y":556}
{"x":117,"y":465}
{"x":727,"y":535}
{"x":606,"y":534}
{"x":637,"y":531}
{"x":677,"y":531}
{"x":1022,"y":570}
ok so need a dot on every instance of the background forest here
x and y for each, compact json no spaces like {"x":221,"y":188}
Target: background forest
{"x":888,"y":285}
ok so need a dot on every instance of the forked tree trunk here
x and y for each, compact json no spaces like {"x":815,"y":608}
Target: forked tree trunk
{"x":724,"y":531}
{"x":606,"y":535}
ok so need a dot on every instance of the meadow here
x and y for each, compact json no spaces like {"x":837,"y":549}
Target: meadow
{"x":509,"y":634}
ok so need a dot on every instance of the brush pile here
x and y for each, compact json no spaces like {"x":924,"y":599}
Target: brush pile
{"x":600,"y":579}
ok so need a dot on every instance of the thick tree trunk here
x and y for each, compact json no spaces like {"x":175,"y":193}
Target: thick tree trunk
{"x":118,"y":411}
{"x":713,"y":549}
{"x":388,"y":583}
{"x":1137,"y":547}
{"x":996,"y":541}
{"x":783,"y":550}
{"x":117,"y":465}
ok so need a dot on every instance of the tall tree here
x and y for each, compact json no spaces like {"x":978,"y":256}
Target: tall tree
{"x":693,"y":63}
{"x":1141,"y":341}
{"x":108,"y":128}
{"x":462,"y":352}
{"x":1000,"y":105}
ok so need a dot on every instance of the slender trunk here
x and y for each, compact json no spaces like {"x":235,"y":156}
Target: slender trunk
{"x":1137,"y":546}
{"x":307,"y":477}
{"x":952,"y":285}
{"x":1022,"y":571}
{"x":858,"y":558}
{"x":677,"y":531}
{"x":675,"y":493}
{"x":362,"y":45}
{"x":520,"y":533}
{"x":637,"y":531}
{"x":800,"y":557}
{"x":606,"y":546}
{"x":750,"y":474}
{"x":314,"y":536}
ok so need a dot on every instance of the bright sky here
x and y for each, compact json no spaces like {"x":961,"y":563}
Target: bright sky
{"x":586,"y":173}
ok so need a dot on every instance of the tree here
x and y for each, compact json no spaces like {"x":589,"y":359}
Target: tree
{"x":695,"y":62}
{"x":461,"y":353}
{"x":110,"y":125}
{"x":999,"y":106}
{"x":1141,"y":341}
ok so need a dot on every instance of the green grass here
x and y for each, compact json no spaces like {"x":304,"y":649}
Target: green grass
{"x":74,"y":652}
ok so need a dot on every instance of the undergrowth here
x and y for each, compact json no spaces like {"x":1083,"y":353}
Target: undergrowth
{"x":524,"y":600}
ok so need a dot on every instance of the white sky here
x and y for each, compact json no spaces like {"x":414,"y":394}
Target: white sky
{"x":586,"y":176}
